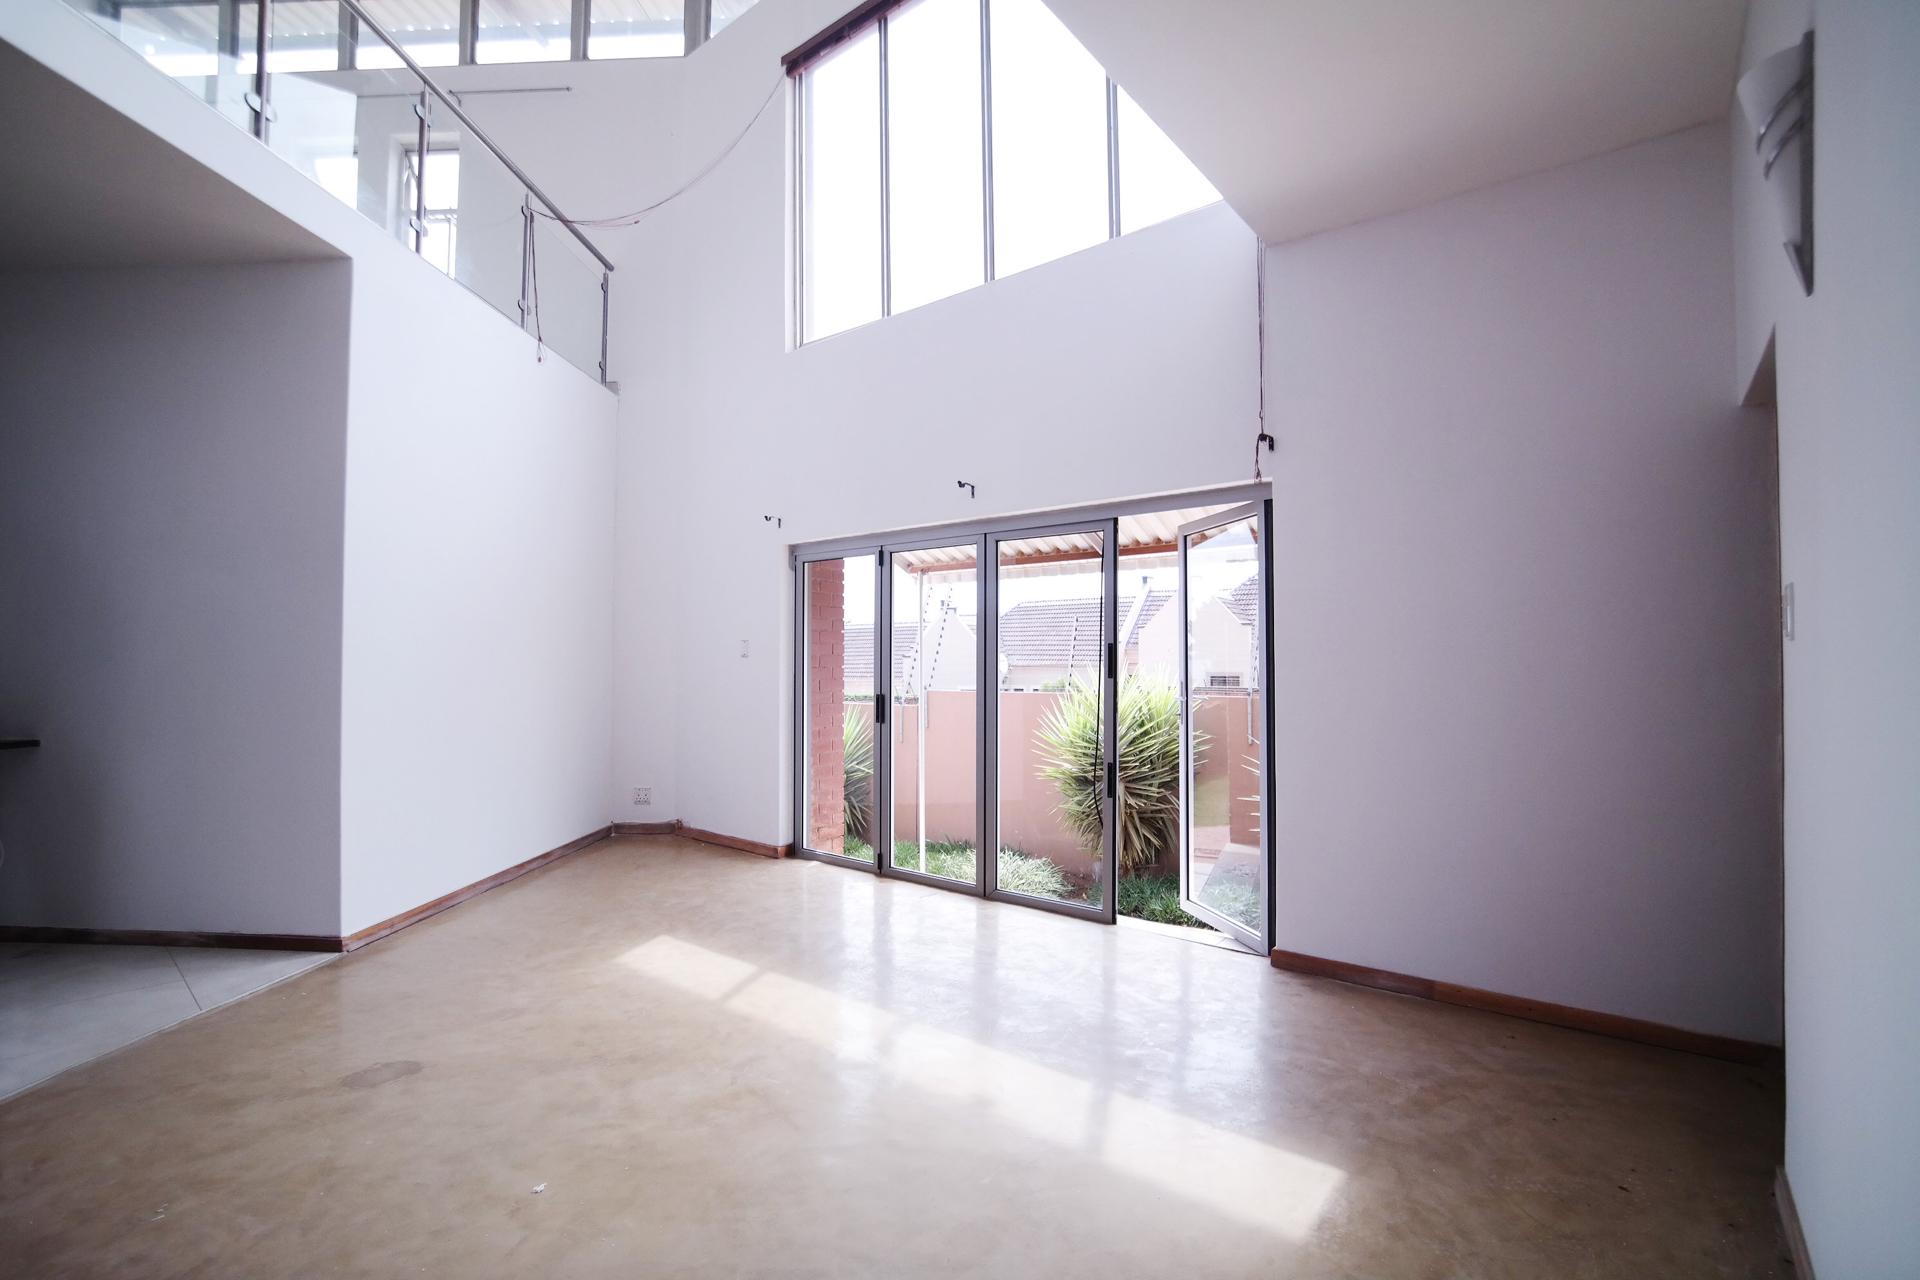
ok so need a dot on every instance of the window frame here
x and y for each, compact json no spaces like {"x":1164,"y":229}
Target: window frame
{"x":696,"y":20}
{"x":412,"y":179}
{"x":876,"y":13}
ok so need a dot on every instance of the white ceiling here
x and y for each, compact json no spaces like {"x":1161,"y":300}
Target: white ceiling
{"x":82,"y":185}
{"x":1312,"y":114}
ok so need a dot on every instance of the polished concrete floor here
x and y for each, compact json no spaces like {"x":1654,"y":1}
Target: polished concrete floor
{"x":62,"y":1004}
{"x":664,"y":1059}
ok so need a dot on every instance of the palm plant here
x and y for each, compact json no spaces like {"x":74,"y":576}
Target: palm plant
{"x":857,"y":738}
{"x":1148,"y":778}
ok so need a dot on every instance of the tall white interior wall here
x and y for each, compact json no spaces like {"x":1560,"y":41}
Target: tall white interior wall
{"x":1511,"y":480}
{"x":1127,"y":369}
{"x":478,"y":627}
{"x":170,"y":561}
{"x":1847,"y":370}
{"x":464,"y":651}
{"x":1527,"y":663}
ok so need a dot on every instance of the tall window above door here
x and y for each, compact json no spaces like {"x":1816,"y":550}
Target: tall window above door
{"x":945,"y":143}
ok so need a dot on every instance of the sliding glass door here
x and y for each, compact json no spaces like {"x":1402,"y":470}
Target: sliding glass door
{"x":985,"y":709}
{"x":1224,"y":620}
{"x":929,"y":798}
{"x":1050,"y":786}
{"x":837,"y":601}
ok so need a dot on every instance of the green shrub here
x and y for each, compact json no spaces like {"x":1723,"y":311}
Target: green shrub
{"x":1155,"y":898}
{"x":857,"y":734}
{"x":1148,"y":781}
{"x":1024,"y":873}
{"x":953,"y":860}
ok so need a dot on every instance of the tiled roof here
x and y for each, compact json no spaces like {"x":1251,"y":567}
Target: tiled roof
{"x":859,"y":656}
{"x":858,"y":661}
{"x":1043,"y":633}
{"x":1243,"y":602}
{"x":1061,"y":633}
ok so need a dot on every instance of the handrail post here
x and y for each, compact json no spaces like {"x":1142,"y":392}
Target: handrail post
{"x":423,"y":109}
{"x":348,"y":40}
{"x":368,"y":23}
{"x":606,"y":280}
{"x":261,"y":99}
{"x":578,"y":29}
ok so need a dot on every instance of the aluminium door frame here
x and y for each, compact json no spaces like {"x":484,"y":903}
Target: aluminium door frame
{"x":1108,"y":528}
{"x":983,"y":531}
{"x":883,"y":793}
{"x":801,"y":559}
{"x":952,"y":531}
{"x":1261,"y":511}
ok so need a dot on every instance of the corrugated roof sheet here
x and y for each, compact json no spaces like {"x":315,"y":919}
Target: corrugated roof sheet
{"x":1154,"y":530}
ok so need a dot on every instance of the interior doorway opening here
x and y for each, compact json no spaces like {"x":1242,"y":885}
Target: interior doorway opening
{"x":1115,"y":765}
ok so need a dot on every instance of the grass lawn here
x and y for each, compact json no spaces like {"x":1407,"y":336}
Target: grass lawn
{"x":953,"y":860}
{"x":1155,"y":898}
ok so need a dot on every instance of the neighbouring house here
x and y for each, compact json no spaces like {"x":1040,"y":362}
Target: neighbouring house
{"x":1226,"y":631}
{"x":948,"y":645}
{"x":1043,"y":641}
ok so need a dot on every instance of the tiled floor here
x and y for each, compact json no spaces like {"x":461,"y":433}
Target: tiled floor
{"x":62,"y":1004}
{"x":664,"y":1059}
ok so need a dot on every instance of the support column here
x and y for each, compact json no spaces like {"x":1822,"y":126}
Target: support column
{"x":826,"y":703}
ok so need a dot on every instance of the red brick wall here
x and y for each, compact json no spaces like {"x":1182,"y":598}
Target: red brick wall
{"x":826,"y":706}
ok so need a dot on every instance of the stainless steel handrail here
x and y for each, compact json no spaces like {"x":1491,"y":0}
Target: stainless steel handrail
{"x":360,"y":13}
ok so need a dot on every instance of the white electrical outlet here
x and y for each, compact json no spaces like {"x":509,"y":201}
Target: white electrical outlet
{"x":642,"y":796}
{"x":743,"y":648}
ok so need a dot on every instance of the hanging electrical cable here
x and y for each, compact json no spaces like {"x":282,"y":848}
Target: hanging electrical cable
{"x":530,"y":257}
{"x":1260,"y":328}
{"x":633,"y":218}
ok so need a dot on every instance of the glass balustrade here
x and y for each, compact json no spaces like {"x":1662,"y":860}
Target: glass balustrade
{"x":386,"y":140}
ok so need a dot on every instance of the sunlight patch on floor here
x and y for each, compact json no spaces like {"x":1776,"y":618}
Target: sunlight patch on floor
{"x":1231,"y":1174}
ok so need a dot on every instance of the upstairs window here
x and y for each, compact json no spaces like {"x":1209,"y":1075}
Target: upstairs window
{"x":945,"y":143}
{"x":637,"y":29}
{"x":439,"y":213}
{"x":840,"y":186}
{"x":1051,"y":177}
{"x":523,"y":31}
{"x":429,"y":30}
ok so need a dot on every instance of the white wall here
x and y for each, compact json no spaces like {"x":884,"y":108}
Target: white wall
{"x":1506,"y":437}
{"x":1126,"y":369}
{"x":470,"y":644}
{"x":1527,"y":664}
{"x":1848,"y":375}
{"x":170,"y":609}
{"x":478,"y":626}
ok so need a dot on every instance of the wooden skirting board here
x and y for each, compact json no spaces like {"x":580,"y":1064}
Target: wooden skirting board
{"x":303,"y":941}
{"x":646,"y":828}
{"x":1559,"y":1015}
{"x":374,"y":932}
{"x":1790,"y":1226}
{"x":681,"y":829}
{"x":174,"y":938}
